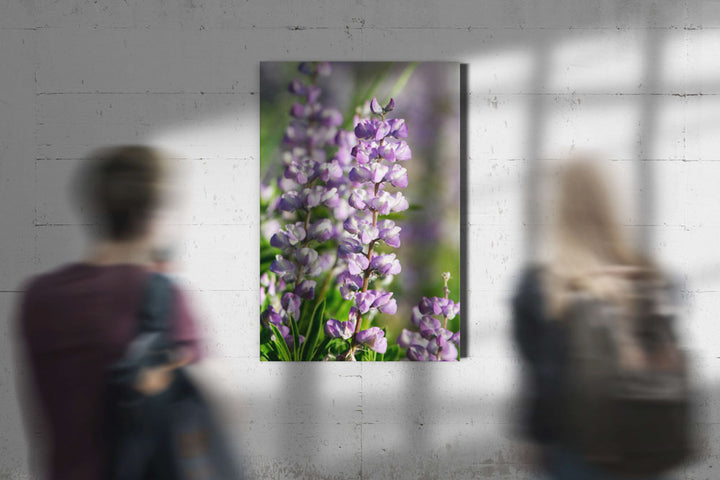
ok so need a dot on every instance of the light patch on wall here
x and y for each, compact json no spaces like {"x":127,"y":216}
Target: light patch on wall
{"x":501,"y":72}
{"x":592,"y":61}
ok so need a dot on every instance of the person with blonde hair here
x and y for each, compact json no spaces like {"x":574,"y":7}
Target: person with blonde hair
{"x":590,"y":262}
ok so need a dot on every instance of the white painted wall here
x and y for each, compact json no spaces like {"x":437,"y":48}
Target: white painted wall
{"x":634,"y":79}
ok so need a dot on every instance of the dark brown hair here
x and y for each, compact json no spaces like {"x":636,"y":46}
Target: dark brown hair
{"x":121,"y":188}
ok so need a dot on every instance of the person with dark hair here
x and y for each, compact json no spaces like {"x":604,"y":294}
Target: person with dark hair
{"x":77,"y":320}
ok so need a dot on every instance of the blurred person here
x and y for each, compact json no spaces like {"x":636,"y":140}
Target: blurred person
{"x":74,"y":322}
{"x":585,"y":322}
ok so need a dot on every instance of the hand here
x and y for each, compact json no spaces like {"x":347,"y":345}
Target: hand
{"x":154,"y":380}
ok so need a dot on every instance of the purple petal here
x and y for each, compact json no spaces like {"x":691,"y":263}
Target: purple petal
{"x":429,"y":327}
{"x":402,"y":151}
{"x":398,"y":128}
{"x":322,"y":230}
{"x":291,"y":303}
{"x":378,"y":171}
{"x":365,"y":129}
{"x":374,"y":338}
{"x":359,"y":174}
{"x":406,"y":337}
{"x":383,"y":129}
{"x":306,"y":289}
{"x":280,"y":240}
{"x":290,"y":201}
{"x":390,"y":307}
{"x":271,"y":316}
{"x":417,"y":353}
{"x":330,"y":117}
{"x":298,"y":110}
{"x":297,"y":87}
{"x":306,"y":67}
{"x":324,"y":69}
{"x":364,"y":300}
{"x":416,"y":316}
{"x":284,"y":268}
{"x":356,"y":200}
{"x":387,"y":151}
{"x":313,"y":93}
{"x":306,"y":256}
{"x":375,"y":106}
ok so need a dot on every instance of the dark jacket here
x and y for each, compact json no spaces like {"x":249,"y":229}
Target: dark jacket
{"x":543,"y":345}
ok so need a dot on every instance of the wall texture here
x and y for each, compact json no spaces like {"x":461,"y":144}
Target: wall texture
{"x":635,"y":80}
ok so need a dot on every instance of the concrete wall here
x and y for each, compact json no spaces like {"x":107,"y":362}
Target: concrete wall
{"x":636,"y":80}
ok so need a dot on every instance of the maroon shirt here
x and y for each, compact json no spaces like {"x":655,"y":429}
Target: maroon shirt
{"x":74,"y":323}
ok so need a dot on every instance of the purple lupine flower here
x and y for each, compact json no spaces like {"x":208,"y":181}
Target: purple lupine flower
{"x":330,"y":171}
{"x":357,"y":263}
{"x":442,"y":349}
{"x":290,"y":201}
{"x":439,"y":306}
{"x":306,"y":256}
{"x":337,"y":329}
{"x":416,"y":316}
{"x":441,"y":343}
{"x":389,"y":233}
{"x":271,"y":316}
{"x":307,"y":68}
{"x":330,"y":117}
{"x":364,"y":300}
{"x":313,"y":93}
{"x":291,"y":304}
{"x":402,"y":151}
{"x":429,"y":327}
{"x":322,"y":230}
{"x":386,"y":264}
{"x":298,"y":110}
{"x":397,"y":176}
{"x":385,"y":304}
{"x":297,"y":87}
{"x":365,"y":128}
{"x":285,"y":269}
{"x":398,"y":128}
{"x":373,"y":168}
{"x":306,"y":289}
{"x":406,"y":338}
{"x":418,"y":353}
{"x":390,"y":106}
{"x":324,"y":69}
{"x":348,"y":246}
{"x":373,"y":338}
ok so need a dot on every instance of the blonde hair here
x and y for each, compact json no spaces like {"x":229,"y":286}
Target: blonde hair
{"x":590,"y":253}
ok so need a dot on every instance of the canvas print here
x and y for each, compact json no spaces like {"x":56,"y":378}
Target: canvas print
{"x":360,"y":211}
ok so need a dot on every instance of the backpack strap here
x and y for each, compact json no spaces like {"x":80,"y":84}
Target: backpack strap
{"x":152,"y":344}
{"x":156,"y":307}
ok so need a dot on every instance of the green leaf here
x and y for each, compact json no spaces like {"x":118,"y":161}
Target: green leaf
{"x":280,"y":345}
{"x":308,"y":349}
{"x":296,"y":339}
{"x":392,"y":353}
{"x":268,"y":352}
{"x":368,"y":355}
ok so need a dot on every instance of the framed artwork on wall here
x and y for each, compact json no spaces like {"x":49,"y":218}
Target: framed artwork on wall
{"x":360,"y":211}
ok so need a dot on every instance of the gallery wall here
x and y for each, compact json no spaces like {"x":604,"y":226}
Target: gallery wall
{"x":636,"y":81}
